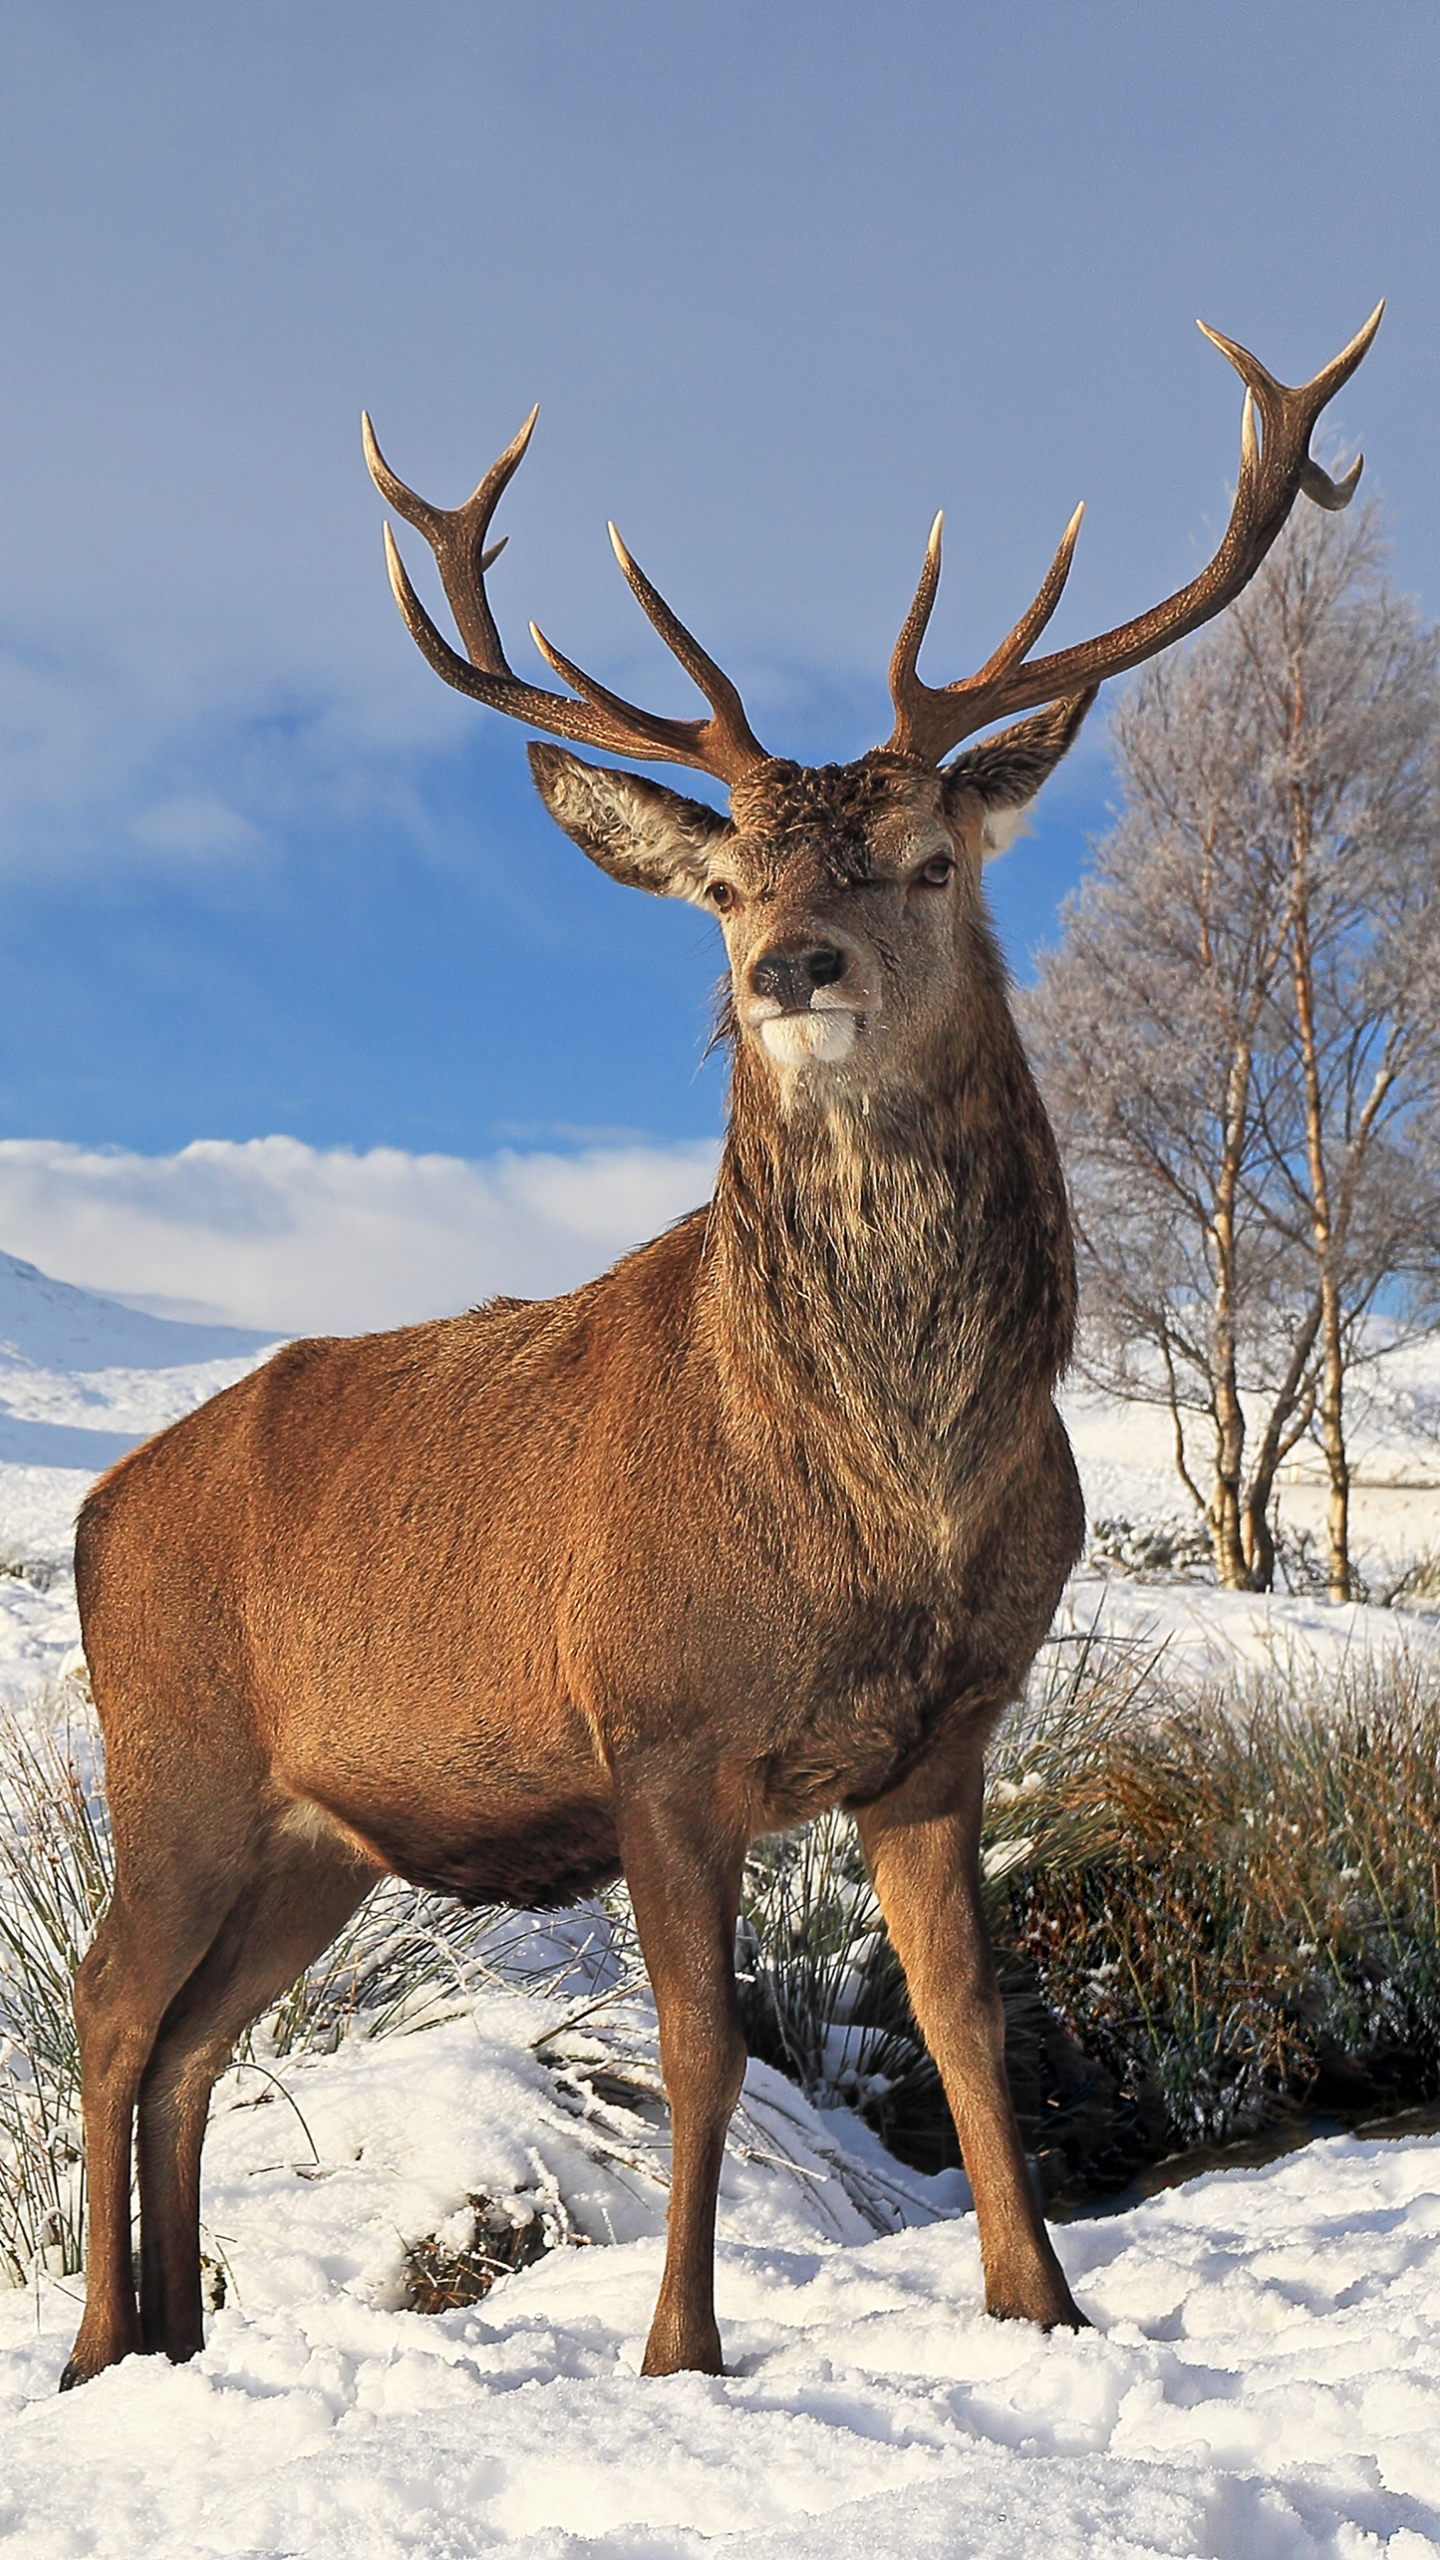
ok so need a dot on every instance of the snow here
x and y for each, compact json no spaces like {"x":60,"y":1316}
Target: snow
{"x":1124,"y":1453}
{"x":1262,"y":2380}
{"x":44,"y":1323}
{"x":1205,"y":1633}
{"x":82,"y":1379}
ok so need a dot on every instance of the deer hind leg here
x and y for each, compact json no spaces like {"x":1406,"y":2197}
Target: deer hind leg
{"x":684,"y":1879}
{"x":923,"y":1847}
{"x":122,"y":1990}
{"x":302,"y":1894}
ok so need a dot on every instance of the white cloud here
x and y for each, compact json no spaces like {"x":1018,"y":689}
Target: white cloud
{"x":302,"y":1239}
{"x":197,"y":823}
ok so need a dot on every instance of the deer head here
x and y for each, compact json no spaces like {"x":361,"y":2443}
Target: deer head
{"x":845,"y":893}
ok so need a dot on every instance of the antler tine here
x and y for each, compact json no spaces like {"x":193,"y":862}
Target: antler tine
{"x":487,"y":684}
{"x":917,"y":620}
{"x":1317,"y":393}
{"x":1030,"y":625}
{"x":917,"y":718}
{"x":724,"y":745}
{"x":606,"y":722}
{"x":456,"y":535}
{"x":710,"y":744}
{"x":1280,"y":407}
{"x":732,"y":732}
{"x":1274,"y":469}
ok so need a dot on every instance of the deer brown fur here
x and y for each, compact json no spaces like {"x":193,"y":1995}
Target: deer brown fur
{"x":770,"y":1518}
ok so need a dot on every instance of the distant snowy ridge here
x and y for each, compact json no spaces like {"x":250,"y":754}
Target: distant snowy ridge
{"x":45,"y":1324}
{"x":82,"y":1379}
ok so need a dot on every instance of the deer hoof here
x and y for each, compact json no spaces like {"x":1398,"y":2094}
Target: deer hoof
{"x":78,"y":2371}
{"x":91,"y":2356}
{"x":1064,"y":2313}
{"x":666,"y":2355}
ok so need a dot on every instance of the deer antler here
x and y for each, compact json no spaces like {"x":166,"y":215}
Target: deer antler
{"x":1273,"y":471}
{"x":724,"y":745}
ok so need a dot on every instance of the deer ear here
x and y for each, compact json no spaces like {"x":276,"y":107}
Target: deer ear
{"x":1005,"y":772}
{"x":642,"y":834}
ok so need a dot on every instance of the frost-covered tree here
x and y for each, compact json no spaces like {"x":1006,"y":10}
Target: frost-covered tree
{"x":1239,"y":1033}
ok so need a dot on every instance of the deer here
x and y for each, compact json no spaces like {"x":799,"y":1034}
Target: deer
{"x":771,"y":1518}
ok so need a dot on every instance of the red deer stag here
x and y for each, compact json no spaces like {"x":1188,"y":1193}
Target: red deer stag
{"x":770,"y":1518}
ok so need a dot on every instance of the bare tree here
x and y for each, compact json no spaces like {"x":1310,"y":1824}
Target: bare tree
{"x":1239,"y":1034}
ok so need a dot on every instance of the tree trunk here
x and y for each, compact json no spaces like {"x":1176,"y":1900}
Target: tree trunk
{"x":1337,"y":1460}
{"x":1332,"y":1393}
{"x":1290,"y":1412}
{"x":1224,"y":1515}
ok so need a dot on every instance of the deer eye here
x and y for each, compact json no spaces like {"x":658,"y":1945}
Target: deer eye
{"x":937,"y":870}
{"x":720,"y":895}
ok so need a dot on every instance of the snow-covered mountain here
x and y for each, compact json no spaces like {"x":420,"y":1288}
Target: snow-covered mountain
{"x":83,"y":1378}
{"x":45,"y":1324}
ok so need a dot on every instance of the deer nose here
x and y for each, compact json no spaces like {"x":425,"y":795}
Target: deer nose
{"x":790,"y":972}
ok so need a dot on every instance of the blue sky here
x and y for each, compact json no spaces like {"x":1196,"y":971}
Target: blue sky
{"x":784,"y":278}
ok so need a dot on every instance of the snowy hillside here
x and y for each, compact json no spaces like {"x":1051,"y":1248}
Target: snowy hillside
{"x":81,"y":1380}
{"x":45,"y":1324}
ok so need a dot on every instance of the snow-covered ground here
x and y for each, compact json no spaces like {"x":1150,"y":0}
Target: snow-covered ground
{"x":1125,"y":1456}
{"x":1262,"y":2381}
{"x":1233,"y":1635}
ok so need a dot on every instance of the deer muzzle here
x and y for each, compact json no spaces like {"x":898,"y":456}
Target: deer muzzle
{"x":798,"y":1005}
{"x":789,"y":976}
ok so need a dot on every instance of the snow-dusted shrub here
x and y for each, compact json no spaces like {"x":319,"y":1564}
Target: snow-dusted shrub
{"x":1415,"y":1585}
{"x":1152,"y":1550}
{"x":410,"y":1959}
{"x":55,"y":1874}
{"x":1209,"y":1911}
{"x":1263,"y":1923}
{"x":486,"y":2239}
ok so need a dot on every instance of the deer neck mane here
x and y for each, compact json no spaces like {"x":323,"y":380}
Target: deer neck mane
{"x":890,"y":1291}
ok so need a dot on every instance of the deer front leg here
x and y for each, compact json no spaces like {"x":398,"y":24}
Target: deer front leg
{"x":684,"y":1878}
{"x":923,"y":1848}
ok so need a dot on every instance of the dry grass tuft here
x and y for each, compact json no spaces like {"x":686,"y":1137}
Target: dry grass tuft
{"x":445,"y":2273}
{"x":1260,"y":1929}
{"x":1211,"y":1911}
{"x":55,"y":1876}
